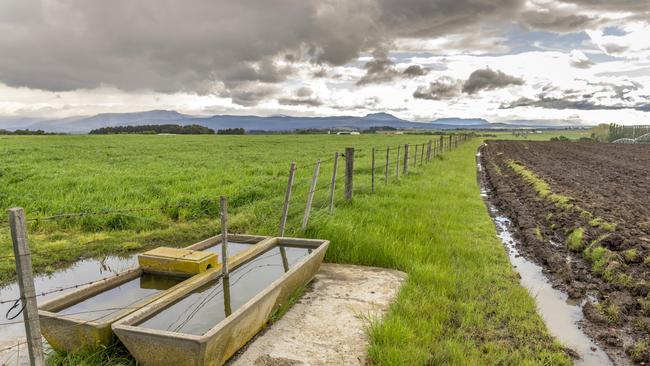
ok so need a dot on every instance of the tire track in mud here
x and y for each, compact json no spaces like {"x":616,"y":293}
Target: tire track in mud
{"x":606,"y":269}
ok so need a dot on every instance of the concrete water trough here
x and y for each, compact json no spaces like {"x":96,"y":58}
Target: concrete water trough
{"x":83,"y":317}
{"x":210,"y":317}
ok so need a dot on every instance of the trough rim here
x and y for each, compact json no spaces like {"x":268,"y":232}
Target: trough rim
{"x":126,"y":324}
{"x":50,"y":308}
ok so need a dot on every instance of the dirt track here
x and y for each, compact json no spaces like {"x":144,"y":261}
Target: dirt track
{"x":608,"y":191}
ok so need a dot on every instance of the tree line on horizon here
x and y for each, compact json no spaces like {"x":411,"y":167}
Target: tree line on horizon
{"x":26,"y":132}
{"x":154,"y":129}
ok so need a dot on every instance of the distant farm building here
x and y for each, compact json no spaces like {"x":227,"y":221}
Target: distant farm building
{"x":348,"y":133}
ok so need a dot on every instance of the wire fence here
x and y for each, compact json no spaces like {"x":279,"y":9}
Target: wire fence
{"x":316,"y":184}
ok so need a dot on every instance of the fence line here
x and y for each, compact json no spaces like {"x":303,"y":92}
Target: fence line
{"x":23,"y":256}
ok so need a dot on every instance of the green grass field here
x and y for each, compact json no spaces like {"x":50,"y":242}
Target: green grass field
{"x":462,"y":303}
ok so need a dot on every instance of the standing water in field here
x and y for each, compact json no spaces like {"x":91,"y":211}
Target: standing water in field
{"x":560,"y":315}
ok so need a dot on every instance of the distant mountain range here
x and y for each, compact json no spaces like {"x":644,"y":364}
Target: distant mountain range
{"x":84,"y":124}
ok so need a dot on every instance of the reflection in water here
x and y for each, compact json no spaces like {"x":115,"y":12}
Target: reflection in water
{"x":285,"y":261}
{"x":227,"y":307}
{"x":202,"y":309}
{"x":233,"y":249}
{"x":119,"y":297}
{"x":82,"y":271}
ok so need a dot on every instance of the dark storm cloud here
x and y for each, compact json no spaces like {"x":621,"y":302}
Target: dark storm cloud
{"x":603,"y":96}
{"x":170,"y":46}
{"x":441,"y":89}
{"x":557,"y":103}
{"x":303,"y":96}
{"x":381,"y":69}
{"x":611,"y":5}
{"x":562,"y":21}
{"x":482,"y":79}
{"x":579,"y":15}
{"x":426,"y":18}
{"x":488,"y":79}
{"x":250,"y":94}
{"x":207,"y":46}
{"x":617,"y":91}
{"x":415,"y":71}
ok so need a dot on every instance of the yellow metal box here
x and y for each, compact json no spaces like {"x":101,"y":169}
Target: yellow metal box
{"x":177,"y":261}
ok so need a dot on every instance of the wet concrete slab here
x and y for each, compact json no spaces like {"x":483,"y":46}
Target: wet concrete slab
{"x":326,"y":326}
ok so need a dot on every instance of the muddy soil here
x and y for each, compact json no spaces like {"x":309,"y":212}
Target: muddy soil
{"x":608,"y":192}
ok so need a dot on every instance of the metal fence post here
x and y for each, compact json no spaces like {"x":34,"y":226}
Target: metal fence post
{"x":18,"y":225}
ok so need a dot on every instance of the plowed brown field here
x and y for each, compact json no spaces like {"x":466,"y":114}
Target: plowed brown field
{"x":582,"y":210}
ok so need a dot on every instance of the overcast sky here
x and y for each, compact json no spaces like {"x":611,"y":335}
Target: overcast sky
{"x":584,"y":61}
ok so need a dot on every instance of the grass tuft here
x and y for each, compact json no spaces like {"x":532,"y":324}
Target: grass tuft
{"x":575,"y":240}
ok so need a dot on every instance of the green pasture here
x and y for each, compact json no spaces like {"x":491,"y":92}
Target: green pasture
{"x":461,"y":305}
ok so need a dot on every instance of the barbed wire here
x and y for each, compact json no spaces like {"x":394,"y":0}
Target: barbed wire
{"x":294,"y":209}
{"x":13,"y":346}
{"x":64,"y":288}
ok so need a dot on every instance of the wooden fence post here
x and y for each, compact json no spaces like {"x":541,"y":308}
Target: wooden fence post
{"x":349,"y":172}
{"x":333,"y":182}
{"x":372,"y":179}
{"x":442,"y":144}
{"x":415,"y":156}
{"x":422,"y":155}
{"x":405,"y":170}
{"x":18,"y":225}
{"x":429,"y":151}
{"x":449,"y":143}
{"x":287,"y":198}
{"x":224,"y":236}
{"x":386,"y":167}
{"x":399,"y":147}
{"x":310,"y":195}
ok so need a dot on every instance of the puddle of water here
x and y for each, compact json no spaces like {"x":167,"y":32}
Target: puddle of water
{"x":202,"y":309}
{"x":127,"y":294}
{"x":560,"y":314}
